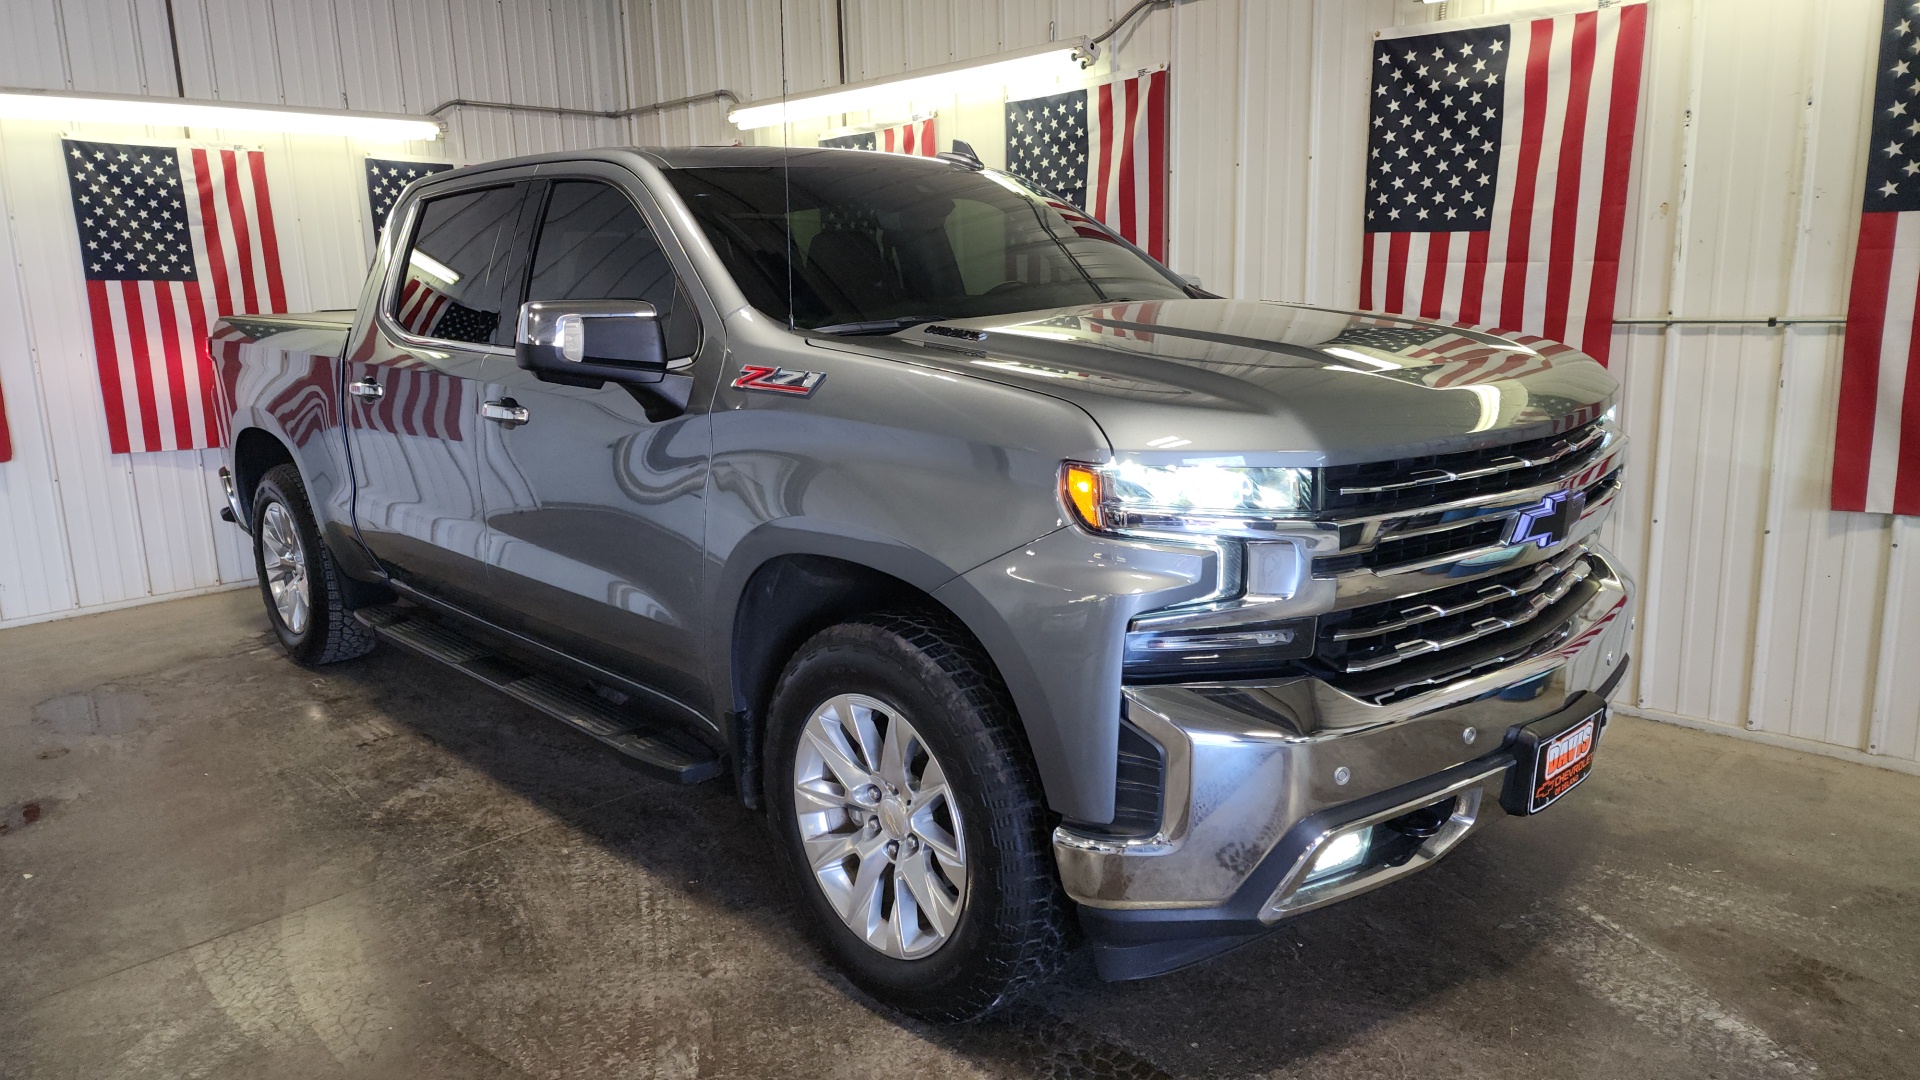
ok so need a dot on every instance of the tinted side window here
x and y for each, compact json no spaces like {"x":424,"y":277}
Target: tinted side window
{"x":462,"y":280}
{"x":594,"y":245}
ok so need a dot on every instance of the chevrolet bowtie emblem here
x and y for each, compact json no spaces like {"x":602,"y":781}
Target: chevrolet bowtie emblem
{"x":1549,"y":521}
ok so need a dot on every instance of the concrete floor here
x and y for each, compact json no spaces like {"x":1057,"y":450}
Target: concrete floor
{"x":214,"y":863}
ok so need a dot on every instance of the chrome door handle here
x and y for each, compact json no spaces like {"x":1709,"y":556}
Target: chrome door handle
{"x":366,"y":390}
{"x":506,"y":412}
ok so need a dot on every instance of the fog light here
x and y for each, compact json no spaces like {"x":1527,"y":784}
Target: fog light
{"x":1341,"y":854}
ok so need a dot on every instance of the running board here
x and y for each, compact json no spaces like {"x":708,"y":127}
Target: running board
{"x":662,"y":751}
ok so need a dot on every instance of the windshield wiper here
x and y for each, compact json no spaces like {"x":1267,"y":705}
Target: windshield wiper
{"x":877,"y":326}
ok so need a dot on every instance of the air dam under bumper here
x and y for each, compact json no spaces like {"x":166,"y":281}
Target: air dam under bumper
{"x":1257,"y":776}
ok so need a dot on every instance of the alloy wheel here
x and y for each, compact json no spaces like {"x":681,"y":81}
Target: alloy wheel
{"x":283,"y":562}
{"x":879,"y":825}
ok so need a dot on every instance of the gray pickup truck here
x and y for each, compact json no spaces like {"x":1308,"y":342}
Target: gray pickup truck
{"x":1035,"y":594}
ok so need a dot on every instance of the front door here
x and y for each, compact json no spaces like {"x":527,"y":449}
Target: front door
{"x":595,"y":504}
{"x":443,"y":326}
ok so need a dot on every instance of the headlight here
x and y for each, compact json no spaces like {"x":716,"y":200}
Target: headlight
{"x":1127,"y":496}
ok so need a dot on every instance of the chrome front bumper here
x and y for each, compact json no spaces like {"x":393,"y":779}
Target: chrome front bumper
{"x":1247,"y":764}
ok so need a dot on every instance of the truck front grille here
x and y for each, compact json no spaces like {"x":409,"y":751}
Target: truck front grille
{"x":1419,"y":540}
{"x":1377,"y":487}
{"x":1387,"y":651}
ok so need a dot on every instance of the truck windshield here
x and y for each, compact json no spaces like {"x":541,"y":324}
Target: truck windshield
{"x":880,"y":243}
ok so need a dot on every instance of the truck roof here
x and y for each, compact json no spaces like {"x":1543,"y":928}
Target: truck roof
{"x":707,"y":157}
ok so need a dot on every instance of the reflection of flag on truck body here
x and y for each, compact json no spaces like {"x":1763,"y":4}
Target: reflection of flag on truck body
{"x":915,"y":138}
{"x":171,"y":239}
{"x":1497,"y":166}
{"x":420,"y":305}
{"x":1876,"y":453}
{"x":1103,"y":149}
{"x":420,"y":402}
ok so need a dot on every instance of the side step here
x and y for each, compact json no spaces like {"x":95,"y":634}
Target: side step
{"x":659,"y":749}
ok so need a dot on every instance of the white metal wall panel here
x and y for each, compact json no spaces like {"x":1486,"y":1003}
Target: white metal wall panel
{"x":81,"y":528}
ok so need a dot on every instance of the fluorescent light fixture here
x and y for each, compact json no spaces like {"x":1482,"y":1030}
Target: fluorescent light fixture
{"x":432,"y":267}
{"x":1043,"y":62}
{"x":68,"y":106}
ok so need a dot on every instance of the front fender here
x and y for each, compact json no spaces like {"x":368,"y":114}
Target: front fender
{"x":1053,"y":616}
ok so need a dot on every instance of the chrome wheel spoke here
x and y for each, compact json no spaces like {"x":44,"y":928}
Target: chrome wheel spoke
{"x":893,"y":754}
{"x":822,"y":794}
{"x":829,"y":850}
{"x":830,"y":742}
{"x":930,"y":896}
{"x":863,"y":900}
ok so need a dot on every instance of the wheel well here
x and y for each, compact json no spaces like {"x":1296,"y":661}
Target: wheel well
{"x":254,"y":452}
{"x":786,"y":601}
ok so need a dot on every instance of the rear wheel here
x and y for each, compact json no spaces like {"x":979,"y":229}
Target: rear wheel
{"x":303,"y":589}
{"x":911,"y":818}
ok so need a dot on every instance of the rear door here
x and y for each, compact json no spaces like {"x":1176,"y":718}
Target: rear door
{"x":595,"y":505}
{"x":443,"y":326}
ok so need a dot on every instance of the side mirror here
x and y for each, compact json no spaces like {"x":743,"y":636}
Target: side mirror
{"x":588,"y":342}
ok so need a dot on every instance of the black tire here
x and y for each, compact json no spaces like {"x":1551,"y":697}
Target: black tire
{"x":1011,"y":932}
{"x":331,"y":634}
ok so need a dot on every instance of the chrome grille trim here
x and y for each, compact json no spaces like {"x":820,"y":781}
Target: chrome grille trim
{"x":1562,"y":584}
{"x":1500,"y":465}
{"x":1491,"y":594}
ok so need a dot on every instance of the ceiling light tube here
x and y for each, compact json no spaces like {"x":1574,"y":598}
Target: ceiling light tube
{"x":1042,"y":62}
{"x":69,"y":106}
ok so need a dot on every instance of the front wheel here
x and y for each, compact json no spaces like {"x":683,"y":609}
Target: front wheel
{"x":303,"y":589}
{"x":910,"y":815}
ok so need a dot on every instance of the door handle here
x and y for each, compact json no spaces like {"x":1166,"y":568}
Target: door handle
{"x":366,"y":390}
{"x":506,"y":412}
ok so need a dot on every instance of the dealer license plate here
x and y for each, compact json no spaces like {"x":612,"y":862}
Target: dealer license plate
{"x":1552,"y":756}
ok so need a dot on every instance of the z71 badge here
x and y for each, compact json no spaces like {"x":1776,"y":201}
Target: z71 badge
{"x":778,"y":380}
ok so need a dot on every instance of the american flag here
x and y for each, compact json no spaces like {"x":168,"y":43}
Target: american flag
{"x":6,"y":436}
{"x":1497,"y":166}
{"x":171,"y":239}
{"x":915,"y":138}
{"x":1876,"y":454}
{"x":386,"y":179}
{"x":1103,"y":149}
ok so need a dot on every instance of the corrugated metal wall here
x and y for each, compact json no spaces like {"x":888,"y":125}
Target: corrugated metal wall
{"x":84,"y":529}
{"x":1764,"y":612}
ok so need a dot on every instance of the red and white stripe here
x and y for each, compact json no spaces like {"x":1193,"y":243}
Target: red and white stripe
{"x":1127,"y":152}
{"x":915,"y":138}
{"x":1550,"y":263}
{"x":422,"y":402}
{"x":1463,"y":361}
{"x":1876,"y":455}
{"x":150,"y":337}
{"x":420,"y":306}
{"x":6,"y":435}
{"x":1136,"y":317}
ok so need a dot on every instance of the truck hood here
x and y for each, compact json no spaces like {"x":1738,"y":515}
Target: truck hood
{"x":1271,"y":383}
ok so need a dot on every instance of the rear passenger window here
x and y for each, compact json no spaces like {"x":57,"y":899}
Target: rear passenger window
{"x":594,"y":245}
{"x":462,"y":278}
